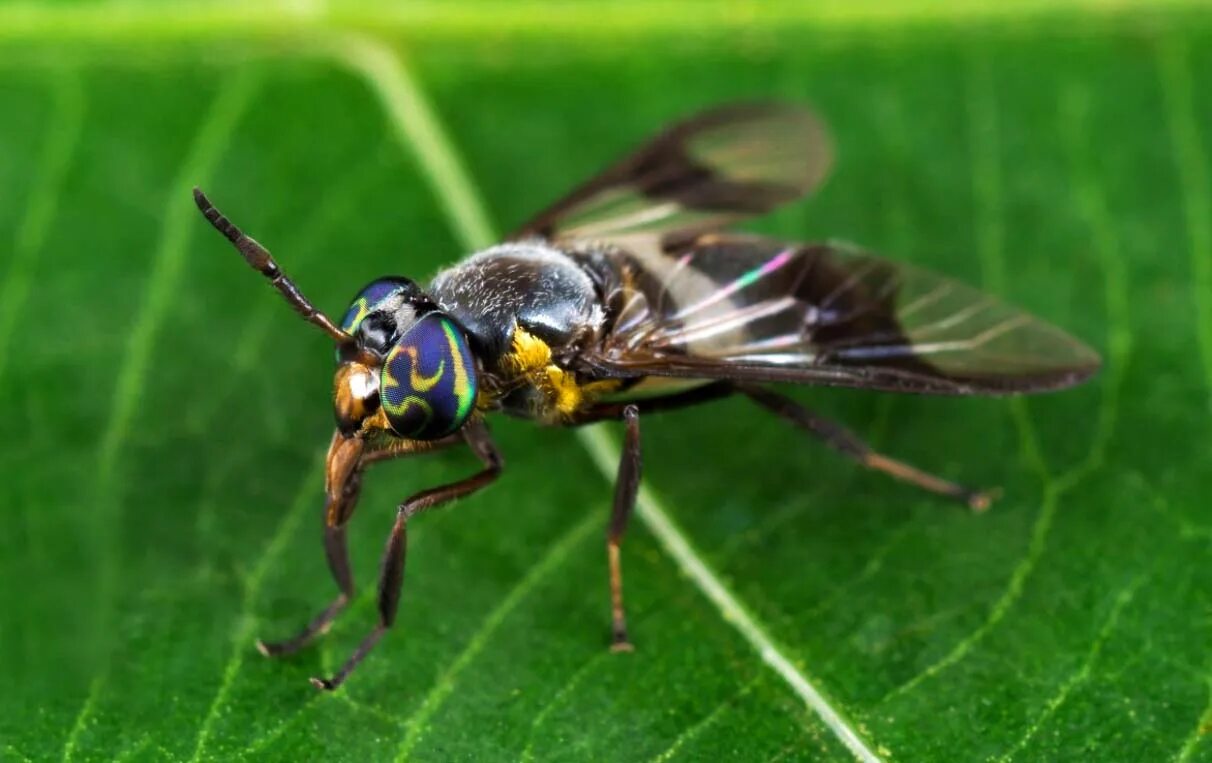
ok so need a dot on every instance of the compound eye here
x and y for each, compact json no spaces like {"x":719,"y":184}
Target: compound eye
{"x":370,"y":298}
{"x":428,"y":382}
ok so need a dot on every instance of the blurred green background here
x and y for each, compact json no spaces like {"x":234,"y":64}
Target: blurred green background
{"x":165,"y":415}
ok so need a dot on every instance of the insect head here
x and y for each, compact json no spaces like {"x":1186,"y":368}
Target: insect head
{"x":425,"y":377}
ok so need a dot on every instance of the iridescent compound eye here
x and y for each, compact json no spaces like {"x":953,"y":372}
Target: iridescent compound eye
{"x":371,"y":297}
{"x":428,"y":381}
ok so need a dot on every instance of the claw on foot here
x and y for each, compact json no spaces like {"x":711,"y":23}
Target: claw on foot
{"x":980,"y":501}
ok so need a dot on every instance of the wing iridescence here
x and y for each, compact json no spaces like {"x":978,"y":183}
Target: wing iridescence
{"x":748,"y":308}
{"x":691,"y":303}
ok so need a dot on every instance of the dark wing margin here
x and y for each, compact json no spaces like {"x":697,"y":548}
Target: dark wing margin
{"x":700,"y":174}
{"x":745,"y":308}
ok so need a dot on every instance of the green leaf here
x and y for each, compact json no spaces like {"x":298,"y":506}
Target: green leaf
{"x":165,"y":415}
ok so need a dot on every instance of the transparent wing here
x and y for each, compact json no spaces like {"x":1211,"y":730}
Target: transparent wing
{"x":700,"y":174}
{"x":748,"y":308}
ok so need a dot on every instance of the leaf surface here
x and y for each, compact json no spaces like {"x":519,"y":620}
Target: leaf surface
{"x":166,"y":414}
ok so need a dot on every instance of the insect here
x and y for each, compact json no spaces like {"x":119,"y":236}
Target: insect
{"x":628,"y":297}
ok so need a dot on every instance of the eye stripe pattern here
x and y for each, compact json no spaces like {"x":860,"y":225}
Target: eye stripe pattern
{"x":428,"y":382}
{"x":464,"y":371}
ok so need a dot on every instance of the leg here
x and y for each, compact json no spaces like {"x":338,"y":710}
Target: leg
{"x":336,"y":552}
{"x":848,"y":444}
{"x":347,"y":460}
{"x":625,"y":489}
{"x":391,"y":574}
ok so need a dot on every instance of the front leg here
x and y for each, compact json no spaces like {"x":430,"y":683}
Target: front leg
{"x":391,"y":573}
{"x":347,"y":461}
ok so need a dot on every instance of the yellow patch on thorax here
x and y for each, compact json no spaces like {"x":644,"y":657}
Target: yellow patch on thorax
{"x":530,"y":359}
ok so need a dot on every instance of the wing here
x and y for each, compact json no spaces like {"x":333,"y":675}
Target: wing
{"x":700,"y":174}
{"x":753,"y":309}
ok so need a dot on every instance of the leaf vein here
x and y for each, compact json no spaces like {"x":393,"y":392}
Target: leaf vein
{"x":556,"y":697}
{"x":81,"y":721}
{"x":1201,"y":730}
{"x":556,"y":555}
{"x":166,"y":271}
{"x":225,"y":110}
{"x":12,"y":750}
{"x":1074,"y":107}
{"x":1082,"y":674}
{"x":690,"y":732}
{"x":1192,"y":162}
{"x":246,"y":620}
{"x":987,"y":183}
{"x":63,"y":138}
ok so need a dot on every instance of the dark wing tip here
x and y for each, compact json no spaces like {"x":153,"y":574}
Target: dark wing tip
{"x":1083,"y":365}
{"x":1087,"y":365}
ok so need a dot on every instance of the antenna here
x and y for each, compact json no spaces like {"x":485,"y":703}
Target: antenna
{"x":259,"y":258}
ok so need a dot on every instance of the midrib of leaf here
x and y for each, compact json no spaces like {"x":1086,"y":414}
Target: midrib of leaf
{"x":421,"y":132}
{"x":412,"y":120}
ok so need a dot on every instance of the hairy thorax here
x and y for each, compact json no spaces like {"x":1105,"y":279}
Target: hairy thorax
{"x":527,"y":309}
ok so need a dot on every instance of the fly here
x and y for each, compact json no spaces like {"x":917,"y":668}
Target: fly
{"x":629,"y":297}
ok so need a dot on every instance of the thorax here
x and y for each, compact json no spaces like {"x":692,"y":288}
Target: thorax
{"x":528,"y":309}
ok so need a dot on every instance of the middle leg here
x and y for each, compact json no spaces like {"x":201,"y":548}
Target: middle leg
{"x":626,"y":488}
